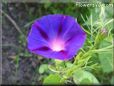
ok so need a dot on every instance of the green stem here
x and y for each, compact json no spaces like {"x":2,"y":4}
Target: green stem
{"x":69,"y":72}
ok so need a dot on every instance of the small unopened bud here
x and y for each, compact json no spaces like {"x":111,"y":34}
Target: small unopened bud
{"x":100,"y":37}
{"x":104,"y":32}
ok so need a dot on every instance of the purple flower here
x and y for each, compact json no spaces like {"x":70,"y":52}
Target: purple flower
{"x":56,"y":36}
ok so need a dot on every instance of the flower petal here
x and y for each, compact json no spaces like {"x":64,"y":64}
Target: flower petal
{"x":35,"y":39}
{"x":50,"y":24}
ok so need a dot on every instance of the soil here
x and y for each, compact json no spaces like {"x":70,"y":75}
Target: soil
{"x":25,"y":72}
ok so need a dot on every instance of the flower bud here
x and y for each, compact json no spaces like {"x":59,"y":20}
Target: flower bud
{"x":100,"y":37}
{"x":104,"y":32}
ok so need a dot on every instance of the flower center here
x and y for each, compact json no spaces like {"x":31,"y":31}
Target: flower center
{"x":57,"y":45}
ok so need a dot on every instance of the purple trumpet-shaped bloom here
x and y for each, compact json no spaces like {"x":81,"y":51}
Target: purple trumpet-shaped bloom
{"x":56,"y":36}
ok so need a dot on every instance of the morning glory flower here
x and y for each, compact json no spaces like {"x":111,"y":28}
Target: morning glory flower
{"x":56,"y":36}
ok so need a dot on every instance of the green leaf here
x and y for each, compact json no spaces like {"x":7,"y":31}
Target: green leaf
{"x":106,"y":61}
{"x":43,"y":68}
{"x":52,"y":79}
{"x":112,"y":80}
{"x":68,"y":64}
{"x":106,"y":58}
{"x":84,"y":77}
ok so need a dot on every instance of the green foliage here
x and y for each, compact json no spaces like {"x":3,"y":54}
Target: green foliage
{"x":52,"y":79}
{"x":43,"y":68}
{"x":16,"y":60}
{"x":68,"y":64}
{"x":112,"y":80}
{"x":84,"y":77}
{"x":106,"y":58}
